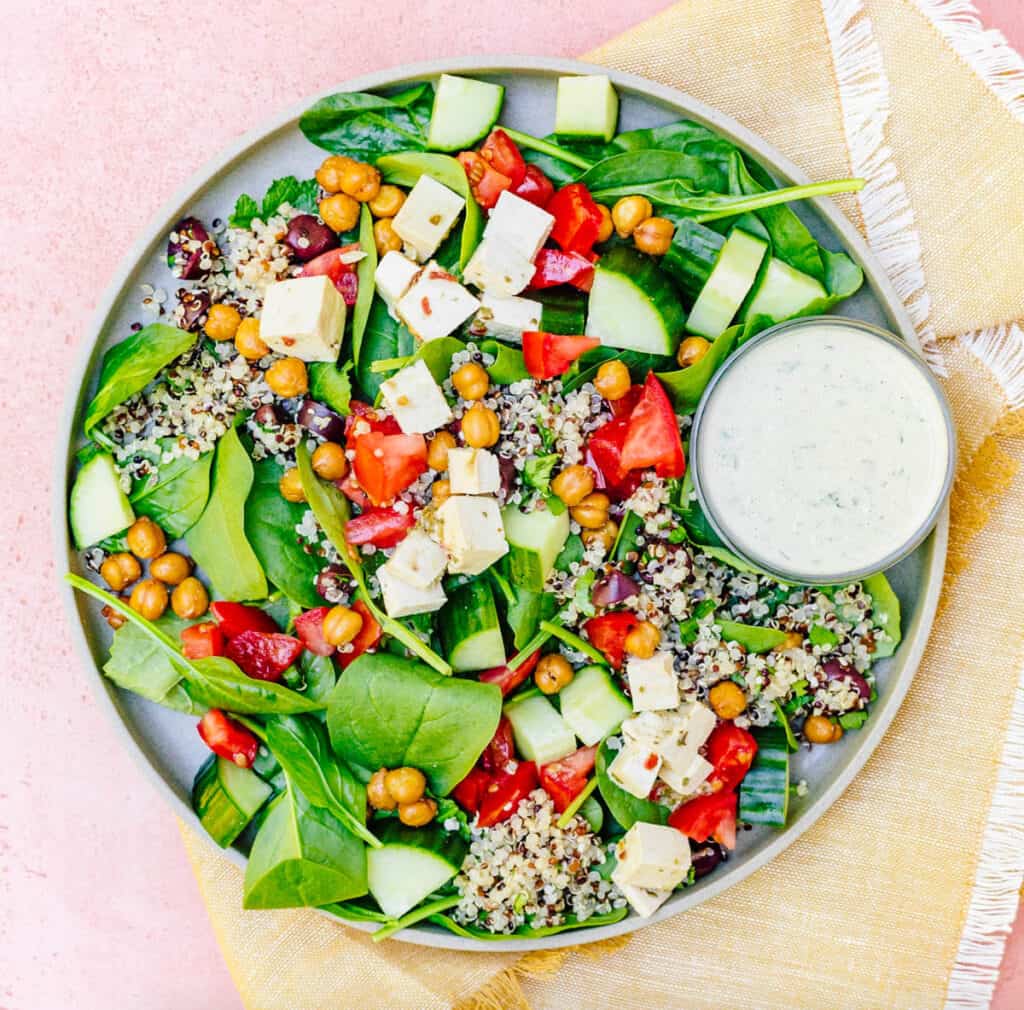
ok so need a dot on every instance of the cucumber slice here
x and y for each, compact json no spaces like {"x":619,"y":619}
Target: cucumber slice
{"x":412,"y":863}
{"x":586,"y":106}
{"x":464,"y":110}
{"x":782,"y":292}
{"x":564,"y":310}
{"x":732,"y":276}
{"x":592,"y":705}
{"x":226,"y":798}
{"x":535,"y":540}
{"x":764,"y":792}
{"x":99,"y":508}
{"x":633,"y":305}
{"x":692,"y":256}
{"x":470,"y":630}
{"x":542,"y":735}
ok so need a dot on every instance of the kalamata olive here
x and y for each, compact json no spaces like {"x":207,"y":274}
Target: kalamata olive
{"x":308,"y":238}
{"x":321,"y":421}
{"x":613,"y":588}
{"x":705,"y":856}
{"x":185,"y":249}
{"x":332,"y":583}
{"x":267,"y":416}
{"x":836,"y":670}
{"x":506,"y":475}
{"x":194,"y":306}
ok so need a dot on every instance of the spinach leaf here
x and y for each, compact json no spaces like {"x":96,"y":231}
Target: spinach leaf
{"x":885,"y":613}
{"x":533,"y":932}
{"x":437,"y":356}
{"x":130,"y":366}
{"x":388,"y":712}
{"x":424,"y":911}
{"x":573,"y":551}
{"x":625,"y":542}
{"x":356,"y":911}
{"x":676,"y":136}
{"x":685,"y":386}
{"x":365,"y":270}
{"x":320,"y":674}
{"x":752,"y":637}
{"x":626,"y":808}
{"x":537,"y":471}
{"x":384,"y":338}
{"x":525,"y":611}
{"x":508,"y":366}
{"x":694,"y":523}
{"x":664,"y":177}
{"x":140,"y":664}
{"x":331,"y":384}
{"x":174,"y":497}
{"x":585,"y":368}
{"x":300,"y":195}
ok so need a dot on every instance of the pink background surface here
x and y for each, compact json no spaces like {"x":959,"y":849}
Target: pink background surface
{"x":107,"y":110}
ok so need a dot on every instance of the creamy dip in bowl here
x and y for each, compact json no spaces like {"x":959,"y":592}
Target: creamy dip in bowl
{"x":823,"y":450}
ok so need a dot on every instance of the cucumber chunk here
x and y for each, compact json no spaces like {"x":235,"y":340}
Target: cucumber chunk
{"x":535,"y":540}
{"x":782,"y":292}
{"x":99,"y":508}
{"x":412,"y":863}
{"x":732,"y":276}
{"x":564,"y":310}
{"x":692,"y":256}
{"x":592,"y":705}
{"x":764,"y":792}
{"x":464,"y":110}
{"x":470,"y":630}
{"x":586,"y":106}
{"x":633,"y":305}
{"x":542,"y":735}
{"x":226,"y":798}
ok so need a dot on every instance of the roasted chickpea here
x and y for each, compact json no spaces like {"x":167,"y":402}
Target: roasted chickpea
{"x":385,"y":238}
{"x":377,"y":793}
{"x":149,"y":598}
{"x":190,"y":599}
{"x":691,"y":350}
{"x":120,"y":570}
{"x":406,"y":785}
{"x":643,"y":640}
{"x":819,"y":729}
{"x":416,"y":815}
{"x":437,"y":451}
{"x":607,"y":226}
{"x":171,"y":568}
{"x":290,"y":486}
{"x":146,"y":539}
{"x":592,"y":512}
{"x":629,"y":212}
{"x":605,"y":535}
{"x":330,"y":171}
{"x":727,"y":699}
{"x":553,"y":673}
{"x":341,"y":625}
{"x":388,"y":202}
{"x":360,"y":181}
{"x":441,"y":491}
{"x":248,"y":342}
{"x":654,"y":235}
{"x":330,"y":461}
{"x":339,"y":212}
{"x":288,"y":377}
{"x":222,"y":322}
{"x":471,"y":381}
{"x":573,"y":484}
{"x":793,"y":640}
{"x":612,"y":380}
{"x":480,"y":427}
{"x":113,"y":617}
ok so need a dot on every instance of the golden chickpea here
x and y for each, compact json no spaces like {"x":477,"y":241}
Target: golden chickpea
{"x":437,"y":452}
{"x":330,"y":171}
{"x":612,"y":380}
{"x":113,"y":617}
{"x":120,"y":570}
{"x":553,"y":673}
{"x":605,"y":535}
{"x":643,"y":640}
{"x":573,"y":484}
{"x":190,"y":599}
{"x":377,"y":793}
{"x":171,"y":568}
{"x":360,"y":181}
{"x":607,"y":226}
{"x":793,"y":640}
{"x":441,"y":492}
{"x":290,"y":486}
{"x":146,"y":539}
{"x":691,"y":350}
{"x":406,"y":785}
{"x":222,"y":322}
{"x":385,"y":238}
{"x":418,"y":814}
{"x":339,"y":212}
{"x":149,"y":598}
{"x":819,"y":729}
{"x":629,"y":212}
{"x":341,"y":625}
{"x":288,"y":377}
{"x":248,"y":342}
{"x":592,"y":512}
{"x":480,"y":427}
{"x":727,"y":699}
{"x":388,"y":202}
{"x":654,"y":235}
{"x":471,"y":381}
{"x":330,"y":461}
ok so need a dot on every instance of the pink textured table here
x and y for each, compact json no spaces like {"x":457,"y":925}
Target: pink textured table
{"x":108,"y":110}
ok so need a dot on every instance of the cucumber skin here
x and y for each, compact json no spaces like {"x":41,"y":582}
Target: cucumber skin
{"x":217,"y":810}
{"x":461,"y":141}
{"x":469,"y":613}
{"x":85,"y":529}
{"x":716,"y":305}
{"x":564,"y":310}
{"x":449,"y":846}
{"x":764,"y":791}
{"x":527,"y":568}
{"x":594,"y":681}
{"x":692,"y":256}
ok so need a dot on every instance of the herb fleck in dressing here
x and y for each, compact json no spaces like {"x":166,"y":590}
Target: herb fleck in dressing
{"x":822,"y":450}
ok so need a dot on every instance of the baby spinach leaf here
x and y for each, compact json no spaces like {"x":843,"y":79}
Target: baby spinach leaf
{"x":695,"y":524}
{"x":387,"y":711}
{"x":355,"y":911}
{"x":320,"y":673}
{"x":676,"y":136}
{"x":175,"y":495}
{"x":885,"y":613}
{"x":418,"y":914}
{"x":585,"y":368}
{"x":685,"y":386}
{"x":532,"y":932}
{"x":751,"y":637}
{"x":217,"y":541}
{"x":508,"y":365}
{"x":384,"y":338}
{"x":139,"y":663}
{"x":626,"y":808}
{"x":437,"y":356}
{"x":365,"y":270}
{"x":625,"y":541}
{"x":331,"y":384}
{"x":524,"y":612}
{"x":662,"y":176}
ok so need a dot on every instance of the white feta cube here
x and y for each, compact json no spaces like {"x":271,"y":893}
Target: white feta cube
{"x":635,"y":769}
{"x":304,"y":318}
{"x":393,"y":276}
{"x":498,"y":269}
{"x":700,"y":721}
{"x":472,"y":532}
{"x":416,"y":400}
{"x":645,"y":903}
{"x":522,"y":226}
{"x":436,"y":304}
{"x":418,"y":560}
{"x":506,"y":317}
{"x":653,"y":684}
{"x":404,"y":600}
{"x":688,"y":779}
{"x":473,"y":471}
{"x":427,"y":216}
{"x":652,"y":856}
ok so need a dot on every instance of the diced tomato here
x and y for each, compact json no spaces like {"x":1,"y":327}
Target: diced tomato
{"x":228,"y":739}
{"x":368,"y":637}
{"x":234,"y":618}
{"x":503,"y":154}
{"x":364,"y":419}
{"x":309,"y":626}
{"x":653,"y":437}
{"x":380,"y":527}
{"x":350,"y":488}
{"x":536,"y":187}
{"x":470,"y":790}
{"x":577,"y":219}
{"x":508,"y":680}
{"x":608,"y":632}
{"x":342,"y":275}
{"x":707,"y":817}
{"x":501,"y":750}
{"x":385,"y":465}
{"x":604,"y":447}
{"x":554,"y":266}
{"x":501,"y":796}
{"x":549,"y":354}
{"x":202,"y":640}
{"x":623,"y":406}
{"x":485,"y":181}
{"x":263,"y":656}
{"x":564,"y":779}
{"x":732,"y":751}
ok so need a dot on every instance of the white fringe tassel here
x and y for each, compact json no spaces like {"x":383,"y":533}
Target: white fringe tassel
{"x":984,"y":50}
{"x":888,"y":216}
{"x":1001,"y":350}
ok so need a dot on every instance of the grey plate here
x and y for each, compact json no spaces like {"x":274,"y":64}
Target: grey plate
{"x":166,"y":742}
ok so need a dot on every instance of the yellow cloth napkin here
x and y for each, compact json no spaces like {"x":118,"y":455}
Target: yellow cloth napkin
{"x":871,"y":907}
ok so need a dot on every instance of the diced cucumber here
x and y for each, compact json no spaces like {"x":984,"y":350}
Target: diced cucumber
{"x":226,"y":798}
{"x":586,"y":106}
{"x":469,"y":628}
{"x":764,"y":791}
{"x":564,"y":310}
{"x":782,"y":292}
{"x":633,"y":305}
{"x":535,"y":540}
{"x":732,"y":276}
{"x":542,"y":735}
{"x":99,"y":508}
{"x":592,"y":705}
{"x":692,"y":256}
{"x":464,"y":110}
{"x":411,"y":863}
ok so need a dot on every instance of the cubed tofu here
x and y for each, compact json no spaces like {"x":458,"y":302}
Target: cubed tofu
{"x":653,"y":684}
{"x":416,"y":400}
{"x":505,"y":317}
{"x":498,"y":269}
{"x":404,"y":600}
{"x":473,"y":471}
{"x":652,"y":856}
{"x":418,"y":560}
{"x":522,"y":226}
{"x":303,"y":318}
{"x":635,"y":769}
{"x":393,"y":277}
{"x":689,"y":779}
{"x":436,"y":304}
{"x":645,"y":903}
{"x":472,"y":532}
{"x":427,"y":216}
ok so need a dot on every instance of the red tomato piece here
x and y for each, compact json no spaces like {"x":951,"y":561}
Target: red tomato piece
{"x":485,"y":181}
{"x":501,"y":151}
{"x":604,"y":447}
{"x":263,"y":656}
{"x":623,"y":406}
{"x":554,"y":267}
{"x":501,"y":750}
{"x":364,"y":419}
{"x":228,"y":739}
{"x":608,"y":632}
{"x":577,"y":219}
{"x":202,"y":640}
{"x":549,"y":354}
{"x":385,"y":465}
{"x":707,"y":817}
{"x":309,"y":627}
{"x":564,"y":779}
{"x":350,"y":488}
{"x":380,"y":527}
{"x":508,"y":680}
{"x":367,"y":639}
{"x":501,"y":796}
{"x":732,"y":751}
{"x":470,"y":790}
{"x":342,"y":275}
{"x":234,"y":618}
{"x":653,"y":437}
{"x":536,"y":187}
